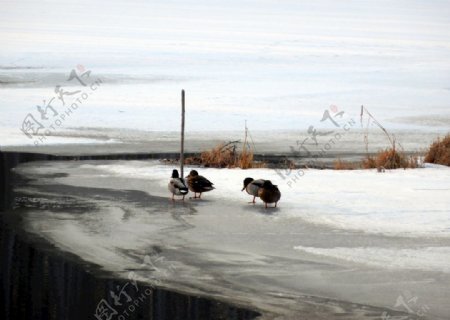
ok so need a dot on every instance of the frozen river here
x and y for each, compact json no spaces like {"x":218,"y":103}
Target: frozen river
{"x":342,"y":245}
{"x":278,"y":65}
{"x":352,"y":244}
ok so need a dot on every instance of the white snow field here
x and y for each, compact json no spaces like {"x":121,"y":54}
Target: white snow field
{"x":350,"y":236}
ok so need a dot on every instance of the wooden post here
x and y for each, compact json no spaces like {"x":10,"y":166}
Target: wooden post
{"x":182,"y":135}
{"x":244,"y":147}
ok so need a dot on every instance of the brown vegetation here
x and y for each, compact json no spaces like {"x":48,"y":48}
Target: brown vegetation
{"x":369,"y":163}
{"x":439,"y":151}
{"x":226,"y":155}
{"x":390,"y":159}
{"x":345,"y":165}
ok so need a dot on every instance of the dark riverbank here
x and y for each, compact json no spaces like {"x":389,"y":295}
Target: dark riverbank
{"x":38,"y":281}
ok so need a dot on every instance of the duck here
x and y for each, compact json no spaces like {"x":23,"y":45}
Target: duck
{"x":198,"y":184}
{"x":269,"y":193}
{"x":177,"y":186}
{"x":252,"y":187}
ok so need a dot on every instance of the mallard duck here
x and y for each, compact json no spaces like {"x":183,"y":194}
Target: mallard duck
{"x":177,"y":185}
{"x":198,"y":184}
{"x":269,"y":193}
{"x":252,"y":187}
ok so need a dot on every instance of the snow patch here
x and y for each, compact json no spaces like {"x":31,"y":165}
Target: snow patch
{"x":407,"y":203}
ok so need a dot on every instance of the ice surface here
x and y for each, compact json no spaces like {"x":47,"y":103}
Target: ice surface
{"x":397,"y":202}
{"x":431,"y":258}
{"x":351,"y":236}
{"x":277,"y":64}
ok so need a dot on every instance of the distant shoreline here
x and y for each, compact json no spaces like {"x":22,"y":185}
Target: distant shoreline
{"x":273,"y":161}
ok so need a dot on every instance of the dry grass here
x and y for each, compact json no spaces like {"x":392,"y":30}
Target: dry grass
{"x":369,"y":163}
{"x":226,"y":155}
{"x":439,"y":151}
{"x":414,"y":161}
{"x":245,"y":160}
{"x":345,"y":165}
{"x":390,"y":159}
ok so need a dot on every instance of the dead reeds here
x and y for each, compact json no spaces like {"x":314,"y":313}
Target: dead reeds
{"x":340,"y":164}
{"x":439,"y":151}
{"x":390,"y":159}
{"x":226,"y":155}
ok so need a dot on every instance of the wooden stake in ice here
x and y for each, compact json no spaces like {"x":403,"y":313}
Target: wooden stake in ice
{"x":182,"y":136}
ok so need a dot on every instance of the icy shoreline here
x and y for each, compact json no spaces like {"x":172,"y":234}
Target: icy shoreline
{"x":225,"y":248}
{"x":272,"y":147}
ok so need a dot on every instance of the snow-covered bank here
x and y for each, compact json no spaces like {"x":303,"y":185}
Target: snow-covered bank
{"x":408,"y":203}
